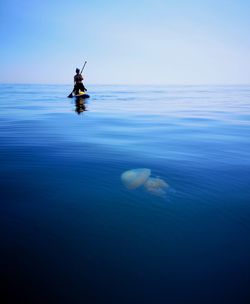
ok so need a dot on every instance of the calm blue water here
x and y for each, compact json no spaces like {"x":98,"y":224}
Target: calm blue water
{"x":71,"y":232}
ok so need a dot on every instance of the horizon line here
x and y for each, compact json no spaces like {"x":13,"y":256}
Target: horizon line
{"x":125,"y":84}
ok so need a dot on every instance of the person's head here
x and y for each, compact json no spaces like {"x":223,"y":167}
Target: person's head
{"x":77,"y":71}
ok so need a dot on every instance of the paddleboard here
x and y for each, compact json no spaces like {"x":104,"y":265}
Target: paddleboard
{"x":82,"y":95}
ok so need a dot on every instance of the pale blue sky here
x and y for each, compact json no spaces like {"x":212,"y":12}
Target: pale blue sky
{"x":125,"y":42}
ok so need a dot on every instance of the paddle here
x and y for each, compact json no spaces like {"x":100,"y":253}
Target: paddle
{"x":70,"y":95}
{"x":83,"y":66}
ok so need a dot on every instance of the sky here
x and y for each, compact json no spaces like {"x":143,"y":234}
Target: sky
{"x":165,"y":42}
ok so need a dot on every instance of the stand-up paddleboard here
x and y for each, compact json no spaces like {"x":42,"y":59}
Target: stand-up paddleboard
{"x":81,"y":94}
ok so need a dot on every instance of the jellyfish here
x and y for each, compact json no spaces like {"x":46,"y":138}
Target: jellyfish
{"x":156,"y":186}
{"x":134,"y":178}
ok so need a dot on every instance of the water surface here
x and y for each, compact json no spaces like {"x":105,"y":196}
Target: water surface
{"x":72,"y":233}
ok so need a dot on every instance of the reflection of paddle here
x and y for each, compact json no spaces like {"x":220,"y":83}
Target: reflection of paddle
{"x":71,"y":94}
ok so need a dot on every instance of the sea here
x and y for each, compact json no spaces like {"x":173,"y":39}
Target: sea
{"x":79,"y":223}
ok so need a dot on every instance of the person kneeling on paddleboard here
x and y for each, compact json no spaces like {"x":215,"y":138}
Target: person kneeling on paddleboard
{"x":78,"y":85}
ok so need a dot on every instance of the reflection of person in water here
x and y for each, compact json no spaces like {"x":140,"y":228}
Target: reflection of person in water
{"x":80,"y":105}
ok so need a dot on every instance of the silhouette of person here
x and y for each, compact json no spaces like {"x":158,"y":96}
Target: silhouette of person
{"x":78,"y":85}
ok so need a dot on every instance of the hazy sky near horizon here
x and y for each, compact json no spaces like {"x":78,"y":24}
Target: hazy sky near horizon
{"x":125,"y":42}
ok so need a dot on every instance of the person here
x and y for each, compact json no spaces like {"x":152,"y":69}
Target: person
{"x":78,"y":85}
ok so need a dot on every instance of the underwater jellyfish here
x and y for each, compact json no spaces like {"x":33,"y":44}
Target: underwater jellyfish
{"x":156,"y":186}
{"x":134,"y":178}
